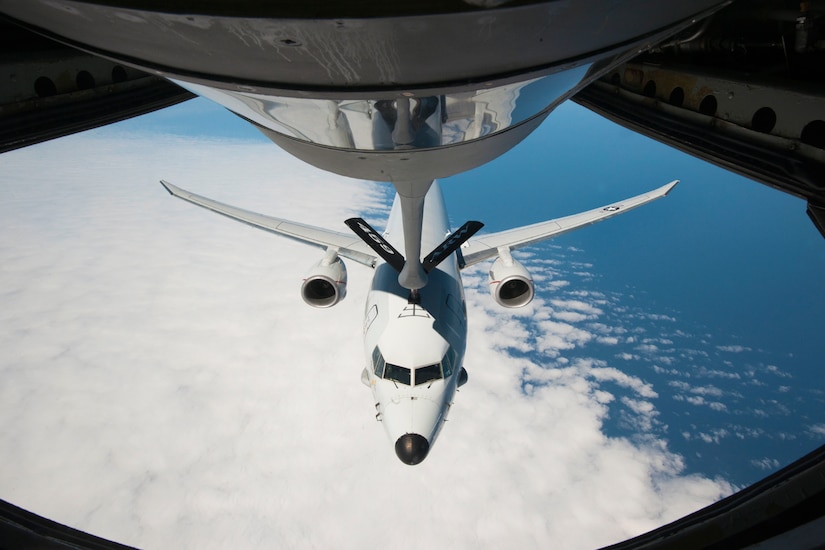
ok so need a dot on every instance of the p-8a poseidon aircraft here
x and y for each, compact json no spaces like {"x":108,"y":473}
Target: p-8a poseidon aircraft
{"x":415,"y":323}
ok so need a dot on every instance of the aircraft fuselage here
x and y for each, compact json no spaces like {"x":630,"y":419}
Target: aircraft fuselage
{"x":414,"y":348}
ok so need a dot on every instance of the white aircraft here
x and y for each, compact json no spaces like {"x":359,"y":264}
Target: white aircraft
{"x":415,"y":325}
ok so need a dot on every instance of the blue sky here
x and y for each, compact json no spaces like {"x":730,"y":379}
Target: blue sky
{"x":668,"y":356}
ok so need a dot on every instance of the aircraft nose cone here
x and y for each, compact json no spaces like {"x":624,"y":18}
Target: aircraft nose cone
{"x":412,"y":449}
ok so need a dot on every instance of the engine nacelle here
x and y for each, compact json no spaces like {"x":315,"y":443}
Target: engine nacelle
{"x":510,"y":283}
{"x":326,"y":283}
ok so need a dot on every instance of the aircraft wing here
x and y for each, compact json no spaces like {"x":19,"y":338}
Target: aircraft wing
{"x":347,"y":245}
{"x":485,"y":247}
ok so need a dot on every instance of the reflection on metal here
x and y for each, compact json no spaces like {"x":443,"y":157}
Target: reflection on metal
{"x":402,"y":93}
{"x":404,"y":123}
{"x":408,"y":138}
{"x":330,"y":49}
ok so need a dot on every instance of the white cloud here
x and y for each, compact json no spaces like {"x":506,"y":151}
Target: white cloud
{"x":714,"y":373}
{"x":165,"y":386}
{"x":773,"y":369}
{"x":817,"y":430}
{"x":715,"y":436}
{"x":707,"y":391}
{"x":647,"y":348}
{"x":645,"y":412}
{"x":556,"y":337}
{"x":659,"y":370}
{"x":698,"y":390}
{"x":766,"y":463}
{"x":577,"y":305}
{"x":557,"y":284}
{"x":622,"y":379}
{"x":570,"y":316}
{"x":660,"y":317}
{"x":734,"y":348}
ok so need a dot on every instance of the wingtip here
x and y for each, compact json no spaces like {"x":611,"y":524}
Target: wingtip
{"x":166,"y":185}
{"x":669,"y":187}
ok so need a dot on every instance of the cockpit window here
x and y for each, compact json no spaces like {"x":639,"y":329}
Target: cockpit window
{"x":378,"y":363}
{"x":427,"y":374}
{"x":403,"y":375}
{"x":399,"y":374}
{"x":388,"y":371}
{"x":449,"y":361}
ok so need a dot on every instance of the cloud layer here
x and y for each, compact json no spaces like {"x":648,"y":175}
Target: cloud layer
{"x":165,"y":386}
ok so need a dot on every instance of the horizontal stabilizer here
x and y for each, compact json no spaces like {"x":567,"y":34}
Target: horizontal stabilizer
{"x":451,"y":244}
{"x":374,"y":240}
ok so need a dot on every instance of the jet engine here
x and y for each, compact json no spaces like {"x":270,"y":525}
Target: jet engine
{"x":510,"y":283}
{"x":326,"y":283}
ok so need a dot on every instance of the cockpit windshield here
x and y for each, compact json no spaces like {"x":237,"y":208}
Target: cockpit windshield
{"x":399,"y":374}
{"x":428,"y":374}
{"x":421,"y":375}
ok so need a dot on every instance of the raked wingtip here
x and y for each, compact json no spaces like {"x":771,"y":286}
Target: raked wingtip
{"x":669,"y":187}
